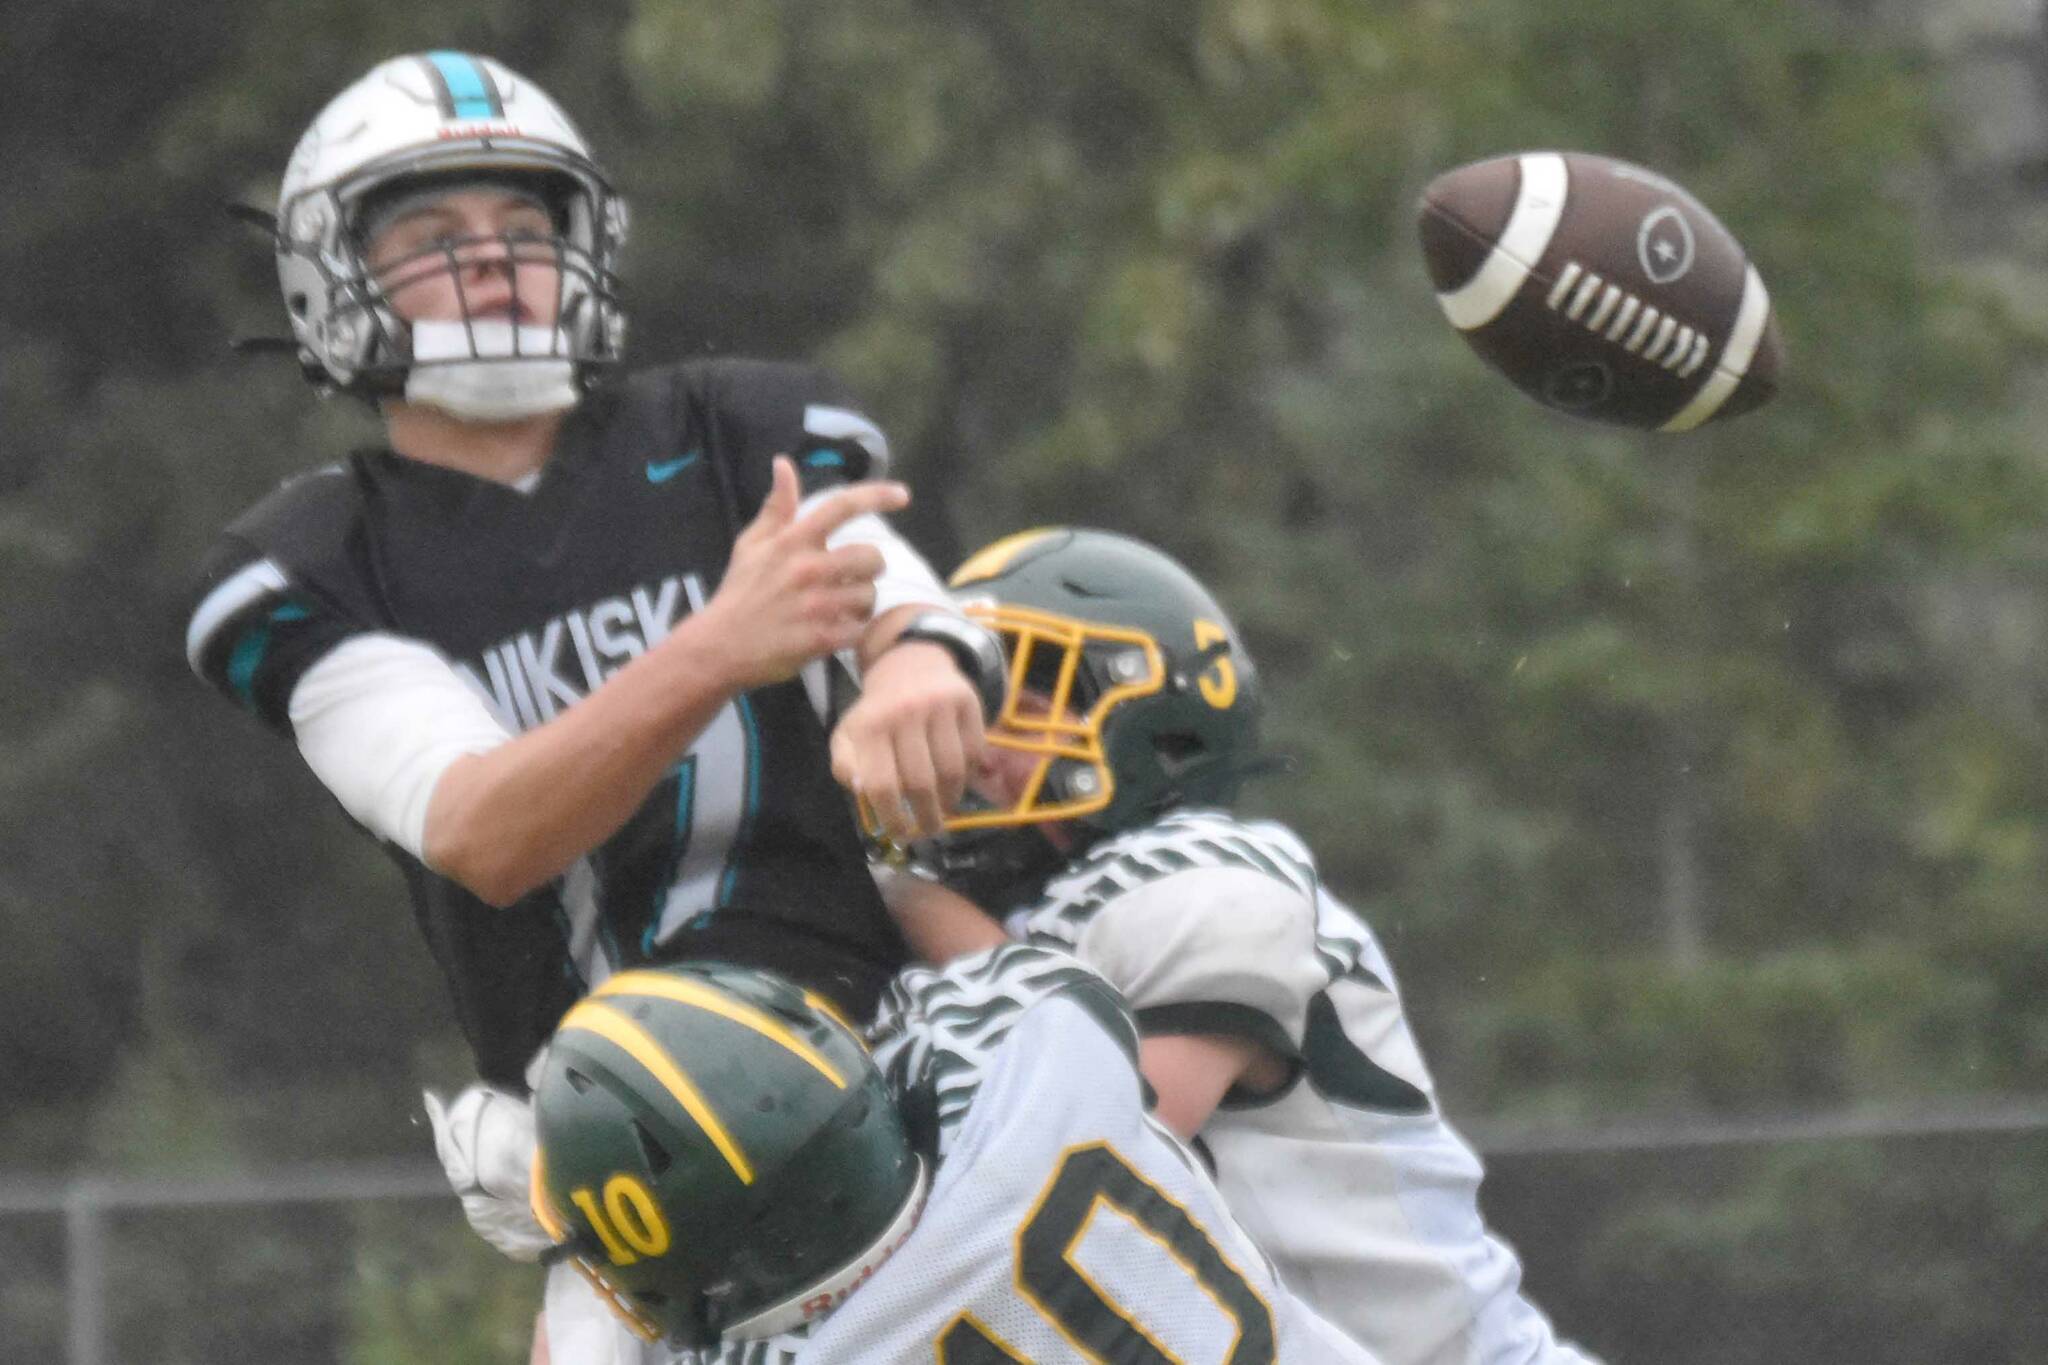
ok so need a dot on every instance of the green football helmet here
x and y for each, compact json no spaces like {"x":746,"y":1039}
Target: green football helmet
{"x":1128,"y":682}
{"x":718,"y":1152}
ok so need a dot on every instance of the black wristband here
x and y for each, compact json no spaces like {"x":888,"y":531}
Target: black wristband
{"x":974,"y":648}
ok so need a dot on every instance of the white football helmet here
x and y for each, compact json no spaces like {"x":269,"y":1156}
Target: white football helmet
{"x":425,"y":115}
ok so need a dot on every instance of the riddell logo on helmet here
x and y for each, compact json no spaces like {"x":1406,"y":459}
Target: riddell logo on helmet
{"x":481,"y":130}
{"x":819,"y":1304}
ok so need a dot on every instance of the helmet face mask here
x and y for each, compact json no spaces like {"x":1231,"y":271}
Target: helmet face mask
{"x":414,"y":124}
{"x":1066,"y":678}
{"x":1127,"y":683}
{"x":718,"y":1153}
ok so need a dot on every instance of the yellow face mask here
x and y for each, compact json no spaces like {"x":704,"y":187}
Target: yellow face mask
{"x":1055,"y":710}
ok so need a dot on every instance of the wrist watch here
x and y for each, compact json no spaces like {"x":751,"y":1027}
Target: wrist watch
{"x":974,"y":648}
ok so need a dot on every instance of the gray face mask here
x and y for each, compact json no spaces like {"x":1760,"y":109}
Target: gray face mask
{"x":490,"y":371}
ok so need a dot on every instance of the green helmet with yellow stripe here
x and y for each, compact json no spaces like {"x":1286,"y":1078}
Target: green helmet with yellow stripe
{"x":1128,"y":683}
{"x":718,"y":1152}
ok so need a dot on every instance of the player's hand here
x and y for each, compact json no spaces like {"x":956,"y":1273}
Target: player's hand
{"x":484,"y":1137}
{"x":786,"y":599}
{"x":907,"y":746}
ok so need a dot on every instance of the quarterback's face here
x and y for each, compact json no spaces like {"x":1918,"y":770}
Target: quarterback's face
{"x":503,"y":259}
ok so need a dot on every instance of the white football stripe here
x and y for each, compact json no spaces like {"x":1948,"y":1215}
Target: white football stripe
{"x":235,"y":592}
{"x":1539,"y":203}
{"x":1735,"y":358}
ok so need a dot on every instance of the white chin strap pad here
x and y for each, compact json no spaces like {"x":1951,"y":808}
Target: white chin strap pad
{"x":489,"y":370}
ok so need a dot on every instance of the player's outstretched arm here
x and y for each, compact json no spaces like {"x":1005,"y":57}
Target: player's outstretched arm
{"x":508,"y":820}
{"x":936,"y":921}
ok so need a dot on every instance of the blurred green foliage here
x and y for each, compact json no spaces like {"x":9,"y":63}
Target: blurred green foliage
{"x":1694,"y":776}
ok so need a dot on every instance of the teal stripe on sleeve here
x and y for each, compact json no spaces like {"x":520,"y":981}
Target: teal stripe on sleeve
{"x":243,"y":663}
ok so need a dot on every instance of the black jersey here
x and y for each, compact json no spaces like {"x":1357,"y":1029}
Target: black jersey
{"x":746,"y":850}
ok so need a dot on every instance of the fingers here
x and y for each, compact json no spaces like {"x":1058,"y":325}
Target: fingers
{"x":842,"y":506}
{"x":948,"y":750}
{"x":845,"y":759}
{"x":841,"y":585}
{"x":911,"y":768}
{"x":876,"y":781}
{"x":917,"y":798}
{"x":857,"y":563}
{"x":778,"y":509}
{"x":865,"y":752}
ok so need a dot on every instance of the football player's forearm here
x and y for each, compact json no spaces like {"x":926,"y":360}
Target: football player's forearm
{"x":1190,"y":1073}
{"x":937,"y":922}
{"x":883,"y":630}
{"x":507,"y":821}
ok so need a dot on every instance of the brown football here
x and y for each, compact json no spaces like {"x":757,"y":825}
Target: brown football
{"x":1601,"y":289}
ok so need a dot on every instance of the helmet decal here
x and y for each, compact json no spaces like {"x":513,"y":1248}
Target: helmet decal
{"x":615,"y":1028}
{"x":704,"y":998}
{"x":462,"y":87}
{"x":1218,"y":682}
{"x":993,"y":559}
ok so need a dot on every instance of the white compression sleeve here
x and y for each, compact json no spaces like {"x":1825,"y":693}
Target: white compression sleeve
{"x":905,"y":577}
{"x":378,"y":720}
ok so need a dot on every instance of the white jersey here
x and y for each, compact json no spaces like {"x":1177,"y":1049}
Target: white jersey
{"x":1064,"y":1225}
{"x":1350,"y":1178}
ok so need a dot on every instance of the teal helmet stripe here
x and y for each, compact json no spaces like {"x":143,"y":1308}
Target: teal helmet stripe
{"x":464,"y":88}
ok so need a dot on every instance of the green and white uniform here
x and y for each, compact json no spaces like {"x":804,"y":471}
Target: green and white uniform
{"x":1350,"y":1178}
{"x":1064,"y":1225}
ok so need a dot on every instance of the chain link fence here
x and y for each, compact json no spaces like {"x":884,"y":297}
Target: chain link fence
{"x":1867,"y":1239}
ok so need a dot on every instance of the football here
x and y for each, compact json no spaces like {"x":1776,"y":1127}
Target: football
{"x":1600,"y":289}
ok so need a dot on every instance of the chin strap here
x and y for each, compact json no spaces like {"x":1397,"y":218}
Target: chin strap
{"x":488,"y":370}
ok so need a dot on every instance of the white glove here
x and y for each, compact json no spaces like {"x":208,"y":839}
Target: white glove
{"x":485,"y":1140}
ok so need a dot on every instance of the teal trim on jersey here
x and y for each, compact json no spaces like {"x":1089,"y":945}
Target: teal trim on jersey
{"x":289,"y":612}
{"x":686,"y":806}
{"x":661,"y":471}
{"x":243,"y":663}
{"x":471,"y":93}
{"x":822,"y":458}
{"x":753,"y":806}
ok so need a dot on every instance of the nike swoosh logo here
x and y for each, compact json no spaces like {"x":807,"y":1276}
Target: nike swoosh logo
{"x":661,"y":471}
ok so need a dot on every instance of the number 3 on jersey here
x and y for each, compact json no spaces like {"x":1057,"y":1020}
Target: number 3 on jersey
{"x":1088,"y":1181}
